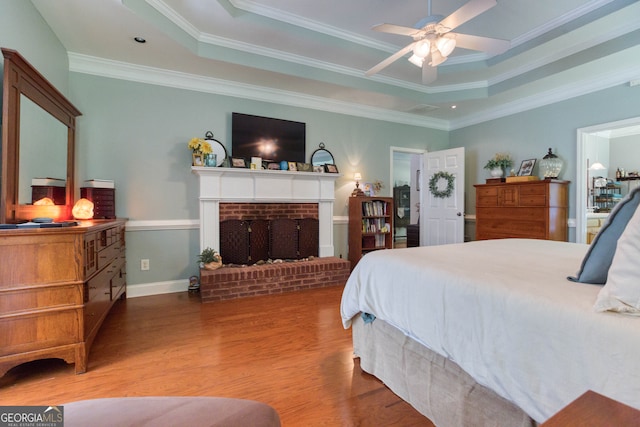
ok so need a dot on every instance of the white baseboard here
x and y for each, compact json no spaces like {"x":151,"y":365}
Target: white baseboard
{"x":157,"y":288}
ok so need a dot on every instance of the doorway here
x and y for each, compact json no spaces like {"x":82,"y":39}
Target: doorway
{"x":405,"y":168}
{"x":590,"y":143}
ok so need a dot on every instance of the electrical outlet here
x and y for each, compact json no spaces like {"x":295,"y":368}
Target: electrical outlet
{"x":144,"y":264}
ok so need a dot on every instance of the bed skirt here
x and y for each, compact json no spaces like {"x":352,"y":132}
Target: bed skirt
{"x":437,"y":387}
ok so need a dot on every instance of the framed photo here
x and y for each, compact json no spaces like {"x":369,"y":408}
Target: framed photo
{"x":293,"y":166}
{"x":304,"y":167}
{"x":274,"y":166}
{"x":238,"y":162}
{"x":319,"y":168}
{"x":329,"y":168}
{"x":526,"y":167}
{"x":197,"y":159}
{"x":367,"y":188}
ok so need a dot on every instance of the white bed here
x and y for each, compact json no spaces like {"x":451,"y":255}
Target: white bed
{"x":505,"y":313}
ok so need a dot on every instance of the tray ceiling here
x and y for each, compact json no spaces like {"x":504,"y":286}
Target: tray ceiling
{"x":315,"y":54}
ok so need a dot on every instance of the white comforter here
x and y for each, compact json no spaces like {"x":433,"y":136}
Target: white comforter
{"x":505,"y":312}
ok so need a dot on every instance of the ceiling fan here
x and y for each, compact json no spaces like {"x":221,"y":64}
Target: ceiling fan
{"x":433,"y":40}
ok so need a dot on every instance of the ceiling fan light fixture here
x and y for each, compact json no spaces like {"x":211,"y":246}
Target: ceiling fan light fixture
{"x":416,"y":60}
{"x":422,"y":48}
{"x":446,"y":45}
{"x":437,"y":59}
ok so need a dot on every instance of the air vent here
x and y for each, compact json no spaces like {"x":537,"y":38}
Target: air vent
{"x":422,"y":109}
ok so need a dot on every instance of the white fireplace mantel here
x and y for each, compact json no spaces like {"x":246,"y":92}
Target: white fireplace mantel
{"x":264,"y":186}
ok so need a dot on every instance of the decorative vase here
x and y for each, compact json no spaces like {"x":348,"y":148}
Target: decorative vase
{"x":496,"y":172}
{"x":210,"y":160}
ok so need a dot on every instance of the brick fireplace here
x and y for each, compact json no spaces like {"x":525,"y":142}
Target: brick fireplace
{"x":235,"y":193}
{"x":237,"y":185}
{"x":252,"y":232}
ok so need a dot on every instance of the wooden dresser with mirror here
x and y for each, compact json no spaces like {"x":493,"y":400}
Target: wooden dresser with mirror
{"x":58,"y":280}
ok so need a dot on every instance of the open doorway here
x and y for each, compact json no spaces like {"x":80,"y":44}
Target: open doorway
{"x":597,"y":191}
{"x":406,"y":164}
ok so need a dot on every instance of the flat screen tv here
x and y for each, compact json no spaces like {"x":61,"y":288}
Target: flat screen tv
{"x":270,"y":139}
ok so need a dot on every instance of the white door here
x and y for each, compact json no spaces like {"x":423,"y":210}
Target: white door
{"x":416,"y":167}
{"x":442,"y":218}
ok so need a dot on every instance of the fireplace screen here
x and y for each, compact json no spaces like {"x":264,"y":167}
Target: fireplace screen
{"x":249,"y":241}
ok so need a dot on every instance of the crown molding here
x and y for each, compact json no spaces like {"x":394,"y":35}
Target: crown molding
{"x":309,"y":24}
{"x":560,"y":21}
{"x":86,"y":64}
{"x":125,"y":71}
{"x":557,"y":94}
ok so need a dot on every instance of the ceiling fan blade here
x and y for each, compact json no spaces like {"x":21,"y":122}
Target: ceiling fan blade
{"x":429,"y":73}
{"x":396,"y":29}
{"x":483,"y":44}
{"x":399,"y":54}
{"x":469,"y":11}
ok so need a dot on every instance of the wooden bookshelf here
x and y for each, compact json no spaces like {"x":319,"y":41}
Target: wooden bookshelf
{"x":370,"y":226}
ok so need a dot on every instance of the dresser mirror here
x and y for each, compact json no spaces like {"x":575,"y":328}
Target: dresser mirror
{"x":38,"y":141}
{"x":43,"y":150}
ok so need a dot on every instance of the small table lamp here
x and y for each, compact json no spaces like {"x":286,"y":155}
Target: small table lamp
{"x":357,"y":192}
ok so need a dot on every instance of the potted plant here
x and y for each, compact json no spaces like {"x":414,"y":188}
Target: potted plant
{"x":210,"y":259}
{"x":498,"y":163}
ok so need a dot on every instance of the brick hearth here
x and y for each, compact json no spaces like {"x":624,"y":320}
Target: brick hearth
{"x":238,"y":282}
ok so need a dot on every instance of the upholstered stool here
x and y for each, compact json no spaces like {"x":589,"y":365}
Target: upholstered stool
{"x":170,"y":412}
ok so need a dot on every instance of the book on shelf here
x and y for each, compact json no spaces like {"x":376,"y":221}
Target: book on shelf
{"x":374,"y":208}
{"x":375,"y":225}
{"x":99,"y":183}
{"x":53,"y":182}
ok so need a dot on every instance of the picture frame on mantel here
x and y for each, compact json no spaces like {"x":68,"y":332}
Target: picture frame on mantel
{"x":197,"y":159}
{"x":329,"y":168}
{"x":304,"y":167}
{"x":238,"y":162}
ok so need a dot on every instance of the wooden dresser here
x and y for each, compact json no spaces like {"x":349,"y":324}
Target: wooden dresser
{"x":531,"y":209}
{"x":57,"y":285}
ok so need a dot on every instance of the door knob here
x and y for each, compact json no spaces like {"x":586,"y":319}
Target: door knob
{"x":459,"y":214}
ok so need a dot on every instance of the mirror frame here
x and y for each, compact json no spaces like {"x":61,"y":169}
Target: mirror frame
{"x":321,"y":148}
{"x":21,"y":78}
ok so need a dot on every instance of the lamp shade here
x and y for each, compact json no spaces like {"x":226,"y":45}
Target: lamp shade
{"x":416,"y":60}
{"x":437,"y":58}
{"x":422,"y":48}
{"x":446,"y":45}
{"x":357,"y":176}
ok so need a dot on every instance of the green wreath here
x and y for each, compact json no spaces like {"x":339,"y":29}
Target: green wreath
{"x":433,"y":184}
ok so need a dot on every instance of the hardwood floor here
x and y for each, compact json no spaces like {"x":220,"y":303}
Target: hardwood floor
{"x":289,"y":351}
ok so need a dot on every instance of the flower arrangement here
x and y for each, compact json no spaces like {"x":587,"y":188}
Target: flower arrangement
{"x":499,"y":160}
{"x":200,"y":146}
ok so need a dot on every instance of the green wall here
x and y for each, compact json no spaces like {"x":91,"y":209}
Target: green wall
{"x":529,"y":134}
{"x":137,"y":134}
{"x":23,"y":29}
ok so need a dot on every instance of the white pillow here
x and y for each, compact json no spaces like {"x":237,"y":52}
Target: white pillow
{"x":621,"y":293}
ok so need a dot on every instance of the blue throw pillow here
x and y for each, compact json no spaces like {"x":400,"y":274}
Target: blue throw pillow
{"x":596,"y":263}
